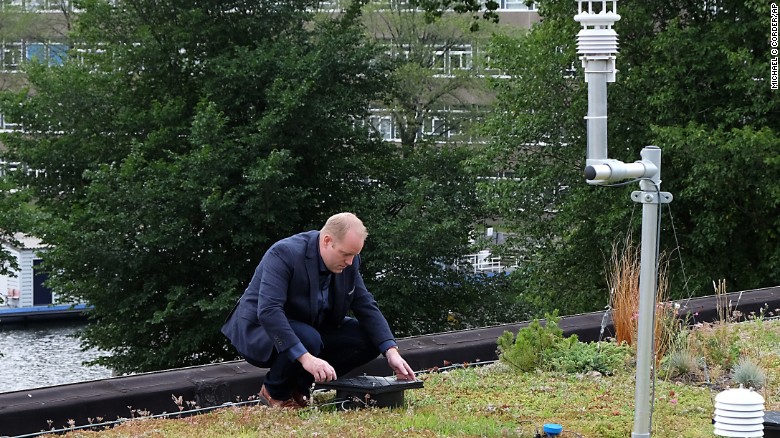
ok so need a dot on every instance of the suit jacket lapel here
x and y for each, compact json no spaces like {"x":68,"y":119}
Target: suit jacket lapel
{"x":313,"y":271}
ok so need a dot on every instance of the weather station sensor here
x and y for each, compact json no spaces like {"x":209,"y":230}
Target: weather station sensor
{"x":597,"y":47}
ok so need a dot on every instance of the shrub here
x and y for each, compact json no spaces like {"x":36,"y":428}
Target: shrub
{"x":545,"y":348}
{"x":525,"y":352}
{"x":749,"y":374}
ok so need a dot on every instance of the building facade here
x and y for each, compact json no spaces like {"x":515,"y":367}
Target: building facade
{"x":25,"y":286}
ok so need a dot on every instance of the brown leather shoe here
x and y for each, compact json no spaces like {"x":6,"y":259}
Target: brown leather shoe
{"x":271,"y":402}
{"x":301,"y":399}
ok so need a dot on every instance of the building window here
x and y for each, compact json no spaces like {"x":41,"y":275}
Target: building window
{"x":40,"y":5}
{"x":442,"y":125}
{"x":517,"y":5}
{"x":440,"y":62}
{"x":14,"y":53}
{"x":383,"y":125}
{"x":51,"y":53}
{"x":12,"y":56}
{"x":448,"y":60}
{"x":5,"y":127}
{"x":435,"y":127}
{"x":461,"y":59}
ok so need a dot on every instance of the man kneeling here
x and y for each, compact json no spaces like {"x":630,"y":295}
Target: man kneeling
{"x":292,"y":318}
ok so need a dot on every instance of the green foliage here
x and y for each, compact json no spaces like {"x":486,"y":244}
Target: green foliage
{"x":420,"y":211}
{"x":419,"y":200}
{"x":690,"y":82}
{"x":18,"y":23}
{"x":435,"y":9}
{"x":187,"y":137}
{"x":543,"y":347}
{"x":420,"y":52}
{"x":173,"y":162}
{"x":726,"y":184}
{"x":543,"y":106}
{"x":572,"y":356}
{"x":526,"y":351}
{"x":8,"y":205}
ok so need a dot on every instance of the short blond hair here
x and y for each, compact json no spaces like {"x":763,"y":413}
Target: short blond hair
{"x":339,"y":224}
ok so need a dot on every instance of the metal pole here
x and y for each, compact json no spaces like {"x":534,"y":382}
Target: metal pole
{"x":596,"y":72}
{"x":650,"y":196}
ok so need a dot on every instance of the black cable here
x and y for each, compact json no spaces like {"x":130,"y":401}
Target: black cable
{"x":118,"y":421}
{"x":608,"y":307}
{"x":679,"y":253}
{"x":196,"y":411}
{"x":657,"y":263}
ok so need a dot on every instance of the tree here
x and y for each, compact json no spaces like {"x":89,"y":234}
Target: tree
{"x":727,"y":189}
{"x":436,"y":86}
{"x":435,"y":9}
{"x":422,"y":209}
{"x":420,"y":201}
{"x":689,"y":81}
{"x":178,"y":144}
{"x":179,"y":141}
{"x":17,"y":25}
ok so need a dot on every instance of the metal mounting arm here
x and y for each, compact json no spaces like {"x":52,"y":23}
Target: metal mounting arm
{"x":615,"y":170}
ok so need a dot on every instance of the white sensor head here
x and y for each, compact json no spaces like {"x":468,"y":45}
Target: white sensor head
{"x":597,"y":41}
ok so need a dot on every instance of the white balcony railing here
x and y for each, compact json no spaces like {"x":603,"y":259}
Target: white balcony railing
{"x":483,"y":262}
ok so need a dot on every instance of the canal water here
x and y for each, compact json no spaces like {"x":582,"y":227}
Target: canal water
{"x":38,"y":354}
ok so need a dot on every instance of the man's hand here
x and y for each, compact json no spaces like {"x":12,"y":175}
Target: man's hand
{"x":402,"y":369}
{"x":320,"y":369}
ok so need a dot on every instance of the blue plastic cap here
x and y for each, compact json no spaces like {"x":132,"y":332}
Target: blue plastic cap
{"x":553,"y":429}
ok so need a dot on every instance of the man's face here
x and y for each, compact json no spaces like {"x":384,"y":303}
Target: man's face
{"x":338,"y":254}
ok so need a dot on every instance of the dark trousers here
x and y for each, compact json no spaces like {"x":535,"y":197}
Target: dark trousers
{"x":344,"y":347}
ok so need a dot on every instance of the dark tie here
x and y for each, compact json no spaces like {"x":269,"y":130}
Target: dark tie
{"x":323,"y":301}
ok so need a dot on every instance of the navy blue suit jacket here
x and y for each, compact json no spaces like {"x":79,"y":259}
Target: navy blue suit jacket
{"x":285,"y":286}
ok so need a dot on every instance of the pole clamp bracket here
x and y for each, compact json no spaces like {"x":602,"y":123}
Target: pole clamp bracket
{"x":651,"y":197}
